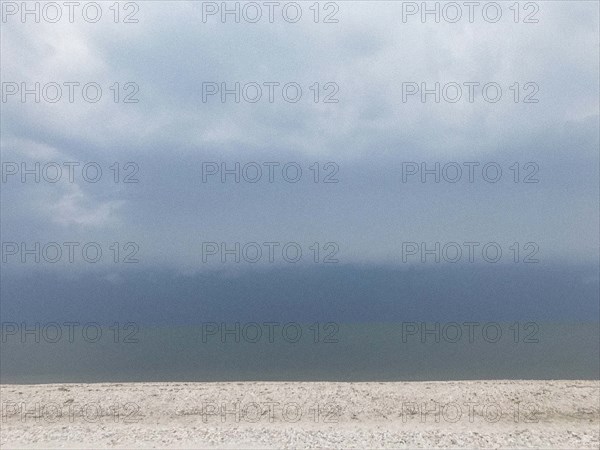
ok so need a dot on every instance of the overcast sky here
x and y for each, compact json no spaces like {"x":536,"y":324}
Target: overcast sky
{"x":367,"y":135}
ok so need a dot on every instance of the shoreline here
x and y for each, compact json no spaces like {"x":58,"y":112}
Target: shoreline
{"x":422,"y":414}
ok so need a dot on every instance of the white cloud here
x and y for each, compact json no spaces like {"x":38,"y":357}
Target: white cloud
{"x":76,"y":208}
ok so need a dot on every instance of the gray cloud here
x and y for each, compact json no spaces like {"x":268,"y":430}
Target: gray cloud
{"x":369,"y":133}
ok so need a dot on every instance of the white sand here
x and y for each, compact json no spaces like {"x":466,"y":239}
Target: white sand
{"x":488,"y":414}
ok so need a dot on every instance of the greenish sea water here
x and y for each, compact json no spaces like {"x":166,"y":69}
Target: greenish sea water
{"x":304,"y":352}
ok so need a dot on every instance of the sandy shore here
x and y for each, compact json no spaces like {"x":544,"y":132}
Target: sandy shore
{"x":484,"y":414}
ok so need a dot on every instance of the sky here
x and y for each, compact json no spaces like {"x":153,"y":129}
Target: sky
{"x":365,"y":137}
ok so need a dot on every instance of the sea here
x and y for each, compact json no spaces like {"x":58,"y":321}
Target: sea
{"x":292,"y":351}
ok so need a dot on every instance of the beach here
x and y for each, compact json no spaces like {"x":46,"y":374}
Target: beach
{"x":483,"y":414}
